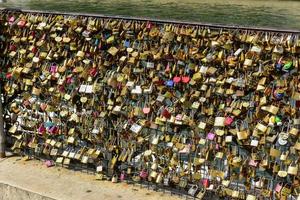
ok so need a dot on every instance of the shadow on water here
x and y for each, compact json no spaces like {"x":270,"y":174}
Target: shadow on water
{"x":258,"y":13}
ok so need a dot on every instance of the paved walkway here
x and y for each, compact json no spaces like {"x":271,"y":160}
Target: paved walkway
{"x":62,"y":184}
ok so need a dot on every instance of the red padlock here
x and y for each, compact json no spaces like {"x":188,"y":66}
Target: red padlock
{"x":93,"y":72}
{"x":205,"y":182}
{"x":298,"y":104}
{"x":21,"y":23}
{"x":166,"y":113}
{"x":61,"y":88}
{"x":185,"y":79}
{"x":8,"y":75}
{"x":34,"y":50}
{"x":176,"y":79}
{"x":41,"y":129}
{"x":53,"y":130}
{"x":69,"y":80}
{"x":228,"y":121}
{"x":32,"y":33}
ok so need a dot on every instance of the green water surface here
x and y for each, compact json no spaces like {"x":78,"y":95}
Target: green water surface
{"x":258,"y":13}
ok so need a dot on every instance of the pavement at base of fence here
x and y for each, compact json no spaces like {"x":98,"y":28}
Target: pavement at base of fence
{"x":63,"y":184}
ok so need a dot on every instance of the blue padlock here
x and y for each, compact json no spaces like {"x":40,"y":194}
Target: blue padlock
{"x":127,"y":43}
{"x":48,"y":124}
{"x":169,"y":83}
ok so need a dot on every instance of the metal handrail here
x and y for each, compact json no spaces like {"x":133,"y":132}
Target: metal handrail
{"x":159,"y":21}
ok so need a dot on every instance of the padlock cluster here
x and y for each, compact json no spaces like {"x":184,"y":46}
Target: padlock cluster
{"x":181,"y":106}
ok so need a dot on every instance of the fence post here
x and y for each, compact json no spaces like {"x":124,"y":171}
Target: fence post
{"x":2,"y":134}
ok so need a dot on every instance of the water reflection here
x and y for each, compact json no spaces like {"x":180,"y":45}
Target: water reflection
{"x":266,"y":13}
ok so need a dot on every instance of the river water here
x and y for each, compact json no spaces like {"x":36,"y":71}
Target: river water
{"x":259,"y":13}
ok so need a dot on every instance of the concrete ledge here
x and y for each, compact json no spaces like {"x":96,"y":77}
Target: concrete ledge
{"x":13,"y":193}
{"x":32,"y":180}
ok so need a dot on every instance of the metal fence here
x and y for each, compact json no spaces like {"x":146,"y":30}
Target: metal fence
{"x":206,"y":25}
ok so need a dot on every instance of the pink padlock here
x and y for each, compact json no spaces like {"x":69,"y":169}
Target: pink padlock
{"x":168,"y":68}
{"x":278,"y":187}
{"x":11,"y":20}
{"x":210,"y":136}
{"x":49,"y":163}
{"x":144,"y":174}
{"x":12,"y":47}
{"x":53,"y":68}
{"x":179,"y":117}
{"x":122,"y":176}
{"x":253,"y":163}
{"x":146,"y":110}
{"x":41,"y":129}
{"x":119,"y":86}
{"x":149,"y":25}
